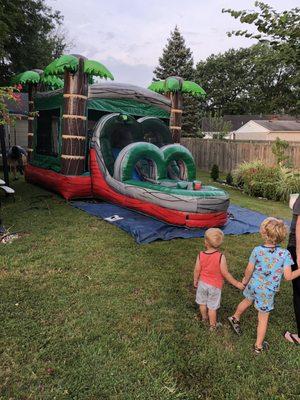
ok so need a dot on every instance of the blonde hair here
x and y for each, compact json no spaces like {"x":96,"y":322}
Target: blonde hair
{"x":273,"y":230}
{"x":214,"y":237}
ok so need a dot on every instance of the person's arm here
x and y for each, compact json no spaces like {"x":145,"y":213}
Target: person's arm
{"x":289,"y":275}
{"x":197,"y":271}
{"x":248,"y":273}
{"x":227,"y":275}
{"x":297,"y":232}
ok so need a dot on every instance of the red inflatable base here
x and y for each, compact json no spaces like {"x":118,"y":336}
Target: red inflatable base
{"x":69,"y":187}
{"x":101,"y":189}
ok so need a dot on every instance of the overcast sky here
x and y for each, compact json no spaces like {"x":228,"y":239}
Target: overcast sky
{"x":128,"y":36}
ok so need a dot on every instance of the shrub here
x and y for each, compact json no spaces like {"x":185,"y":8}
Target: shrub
{"x":245,"y":171}
{"x":289,"y":183}
{"x":278,"y":149}
{"x":215,"y":173}
{"x":229,"y":179}
{"x":259,"y":180}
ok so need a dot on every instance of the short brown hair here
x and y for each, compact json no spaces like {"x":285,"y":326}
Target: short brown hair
{"x":214,"y":236}
{"x":273,"y":230}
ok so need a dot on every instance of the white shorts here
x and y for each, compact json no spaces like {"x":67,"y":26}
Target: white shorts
{"x":208,"y":295}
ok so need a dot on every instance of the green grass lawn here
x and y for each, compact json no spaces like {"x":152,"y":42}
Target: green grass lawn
{"x":88,"y":314}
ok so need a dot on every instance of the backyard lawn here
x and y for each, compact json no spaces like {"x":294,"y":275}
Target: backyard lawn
{"x":86,"y":313}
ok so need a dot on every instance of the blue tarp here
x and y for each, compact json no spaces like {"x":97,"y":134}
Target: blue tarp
{"x":145,"y":229}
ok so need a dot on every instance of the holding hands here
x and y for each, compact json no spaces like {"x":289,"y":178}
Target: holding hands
{"x":241,"y":285}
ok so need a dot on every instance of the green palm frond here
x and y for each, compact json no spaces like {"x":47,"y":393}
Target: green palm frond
{"x":52,"y":82}
{"x":26,"y":77}
{"x":192,"y":88}
{"x":158,"y":87}
{"x":177,"y":84}
{"x":64,"y":62}
{"x":95,"y":68}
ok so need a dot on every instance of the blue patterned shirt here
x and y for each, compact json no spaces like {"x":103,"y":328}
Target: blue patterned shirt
{"x":269,"y":264}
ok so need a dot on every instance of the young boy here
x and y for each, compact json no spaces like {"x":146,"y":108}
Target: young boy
{"x":267,"y":264}
{"x":210,"y":271}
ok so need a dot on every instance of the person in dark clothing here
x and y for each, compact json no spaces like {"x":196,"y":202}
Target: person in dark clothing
{"x":17,"y":159}
{"x":294,"y":249}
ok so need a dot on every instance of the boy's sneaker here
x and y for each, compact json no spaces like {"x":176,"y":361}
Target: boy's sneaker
{"x":236,"y":326}
{"x":258,"y":350}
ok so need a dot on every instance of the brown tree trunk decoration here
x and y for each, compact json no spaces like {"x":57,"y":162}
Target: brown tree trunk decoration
{"x":30,"y":120}
{"x":176,"y":116}
{"x":74,"y":121}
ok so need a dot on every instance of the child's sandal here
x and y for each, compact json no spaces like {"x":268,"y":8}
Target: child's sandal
{"x":213,"y":328}
{"x":258,"y":350}
{"x":236,"y":326}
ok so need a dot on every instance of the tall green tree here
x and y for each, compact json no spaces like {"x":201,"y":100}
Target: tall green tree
{"x":250,"y":80}
{"x":177,"y":60}
{"x":280,"y":30}
{"x":29,"y":36}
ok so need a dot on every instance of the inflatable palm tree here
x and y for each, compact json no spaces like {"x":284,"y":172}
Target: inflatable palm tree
{"x":31,"y":81}
{"x":76,"y":70}
{"x":174,"y":87}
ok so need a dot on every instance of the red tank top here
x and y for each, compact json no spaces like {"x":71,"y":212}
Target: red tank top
{"x":210,"y":268}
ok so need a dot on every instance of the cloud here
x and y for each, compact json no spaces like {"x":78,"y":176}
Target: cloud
{"x":129,"y":35}
{"x":138,"y":74}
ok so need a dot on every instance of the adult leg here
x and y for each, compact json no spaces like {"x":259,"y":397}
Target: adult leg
{"x":296,"y":298}
{"x":14,"y":171}
{"x":263,"y":318}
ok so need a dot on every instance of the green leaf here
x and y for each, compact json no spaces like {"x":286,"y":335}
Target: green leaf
{"x":52,"y":82}
{"x":26,"y":77}
{"x":158,"y":87}
{"x":95,"y":68}
{"x":64,"y":62}
{"x":171,"y":84}
{"x":193,"y":88}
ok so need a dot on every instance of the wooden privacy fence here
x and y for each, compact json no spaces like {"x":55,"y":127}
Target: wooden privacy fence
{"x":229,"y":154}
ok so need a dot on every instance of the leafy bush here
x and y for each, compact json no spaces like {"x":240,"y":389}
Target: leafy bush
{"x":215,"y":173}
{"x":289,"y":183}
{"x":259,"y":180}
{"x":278,"y":149}
{"x":229,"y":178}
{"x":243,"y":173}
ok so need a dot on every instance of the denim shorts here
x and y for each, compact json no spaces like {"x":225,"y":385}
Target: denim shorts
{"x":263,"y":298}
{"x":208,"y":295}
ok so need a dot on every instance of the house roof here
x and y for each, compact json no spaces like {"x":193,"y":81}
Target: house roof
{"x":237,"y":121}
{"x":279,"y":126}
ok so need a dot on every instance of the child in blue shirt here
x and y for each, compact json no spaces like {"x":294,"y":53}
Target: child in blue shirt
{"x":267,"y":264}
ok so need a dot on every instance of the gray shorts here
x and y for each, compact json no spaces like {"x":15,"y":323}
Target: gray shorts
{"x":208,"y":295}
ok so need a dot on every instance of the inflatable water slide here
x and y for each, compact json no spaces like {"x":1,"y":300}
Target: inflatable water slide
{"x":120,"y":151}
